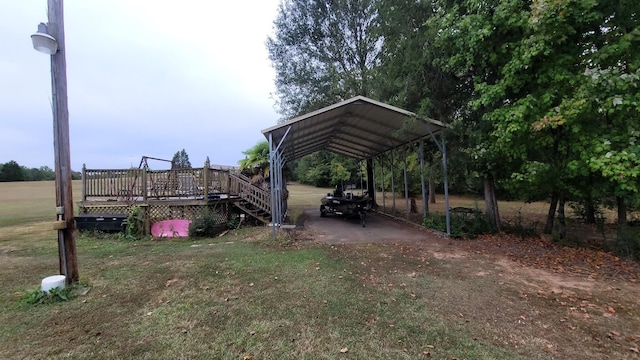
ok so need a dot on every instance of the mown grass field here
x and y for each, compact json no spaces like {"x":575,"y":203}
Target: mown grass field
{"x":243,"y":296}
{"x":30,"y":201}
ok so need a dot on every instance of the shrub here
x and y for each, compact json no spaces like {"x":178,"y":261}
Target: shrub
{"x":467,"y":223}
{"x":135,"y":224}
{"x":206,"y":225}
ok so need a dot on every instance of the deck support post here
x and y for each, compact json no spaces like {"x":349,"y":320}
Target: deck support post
{"x":145,"y":187}
{"x":84,"y":182}
{"x":205,"y":179}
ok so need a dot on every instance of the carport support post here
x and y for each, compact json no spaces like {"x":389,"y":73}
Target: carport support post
{"x":272,"y":192}
{"x":275,"y":183}
{"x":280,"y":189}
{"x":381,"y":161}
{"x":425,"y":203}
{"x":443,"y":148}
{"x":446,"y":184}
{"x":406,"y":184}
{"x":393,"y":185}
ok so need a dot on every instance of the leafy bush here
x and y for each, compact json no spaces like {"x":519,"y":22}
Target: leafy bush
{"x":235,"y":221}
{"x":135,"y":224}
{"x":206,"y":225}
{"x":39,"y":297}
{"x":468,"y":223}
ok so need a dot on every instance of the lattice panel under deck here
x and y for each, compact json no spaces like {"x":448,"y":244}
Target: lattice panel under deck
{"x":106,"y":209}
{"x":188,"y":212}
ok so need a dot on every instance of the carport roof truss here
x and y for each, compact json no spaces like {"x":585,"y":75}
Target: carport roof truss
{"x":359,"y":127}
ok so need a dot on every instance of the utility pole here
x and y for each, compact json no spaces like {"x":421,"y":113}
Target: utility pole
{"x":65,"y":223}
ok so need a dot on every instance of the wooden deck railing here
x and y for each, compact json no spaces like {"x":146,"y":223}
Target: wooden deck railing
{"x":241,"y":185}
{"x":109,"y":183}
{"x":140,"y":184}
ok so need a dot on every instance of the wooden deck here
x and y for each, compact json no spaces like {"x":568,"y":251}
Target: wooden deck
{"x":172,"y":194}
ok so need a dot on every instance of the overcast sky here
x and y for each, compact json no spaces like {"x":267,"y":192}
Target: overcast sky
{"x":144,"y":78}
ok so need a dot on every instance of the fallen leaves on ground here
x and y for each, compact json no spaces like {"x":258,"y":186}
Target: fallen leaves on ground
{"x":534,"y":252}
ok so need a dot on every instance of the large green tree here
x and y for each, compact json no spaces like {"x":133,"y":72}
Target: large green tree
{"x":577,"y":64}
{"x":323,"y":52}
{"x":326,"y":169}
{"x":604,"y":109}
{"x":407,"y":76}
{"x":11,"y":171}
{"x":473,"y":42}
{"x":534,"y":99}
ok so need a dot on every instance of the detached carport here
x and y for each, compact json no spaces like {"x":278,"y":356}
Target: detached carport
{"x":360,"y":128}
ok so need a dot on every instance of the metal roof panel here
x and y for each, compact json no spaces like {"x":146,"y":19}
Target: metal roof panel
{"x":358,"y":127}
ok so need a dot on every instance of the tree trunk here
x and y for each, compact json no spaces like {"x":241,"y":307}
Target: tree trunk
{"x":490,"y":202}
{"x":414,"y":206}
{"x":562,"y":221}
{"x":551,"y":215}
{"x":432,"y":192}
{"x":590,"y":211}
{"x":371,"y":185}
{"x":622,"y":217}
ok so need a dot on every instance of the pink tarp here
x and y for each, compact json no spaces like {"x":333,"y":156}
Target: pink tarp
{"x":170,"y":228}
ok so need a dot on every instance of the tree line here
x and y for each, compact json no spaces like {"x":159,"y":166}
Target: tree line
{"x":542,"y":96}
{"x":12,"y":171}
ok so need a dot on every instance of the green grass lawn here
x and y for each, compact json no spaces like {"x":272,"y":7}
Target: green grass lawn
{"x":244,"y":296}
{"x":226,"y":298}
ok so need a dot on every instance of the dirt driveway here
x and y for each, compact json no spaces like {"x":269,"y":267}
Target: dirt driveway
{"x":378,"y":229}
{"x":573,"y":298}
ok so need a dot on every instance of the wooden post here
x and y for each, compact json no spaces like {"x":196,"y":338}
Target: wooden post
{"x":84,"y":182}
{"x":145,"y":189}
{"x":205,"y":178}
{"x":64,"y":197}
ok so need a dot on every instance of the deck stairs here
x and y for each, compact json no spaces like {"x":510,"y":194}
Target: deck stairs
{"x":254,"y":201}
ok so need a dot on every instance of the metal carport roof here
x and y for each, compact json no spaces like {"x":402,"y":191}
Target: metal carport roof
{"x":359,"y":127}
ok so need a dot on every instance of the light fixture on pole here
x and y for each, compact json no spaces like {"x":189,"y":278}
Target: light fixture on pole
{"x":43,"y":41}
{"x":50,"y":40}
